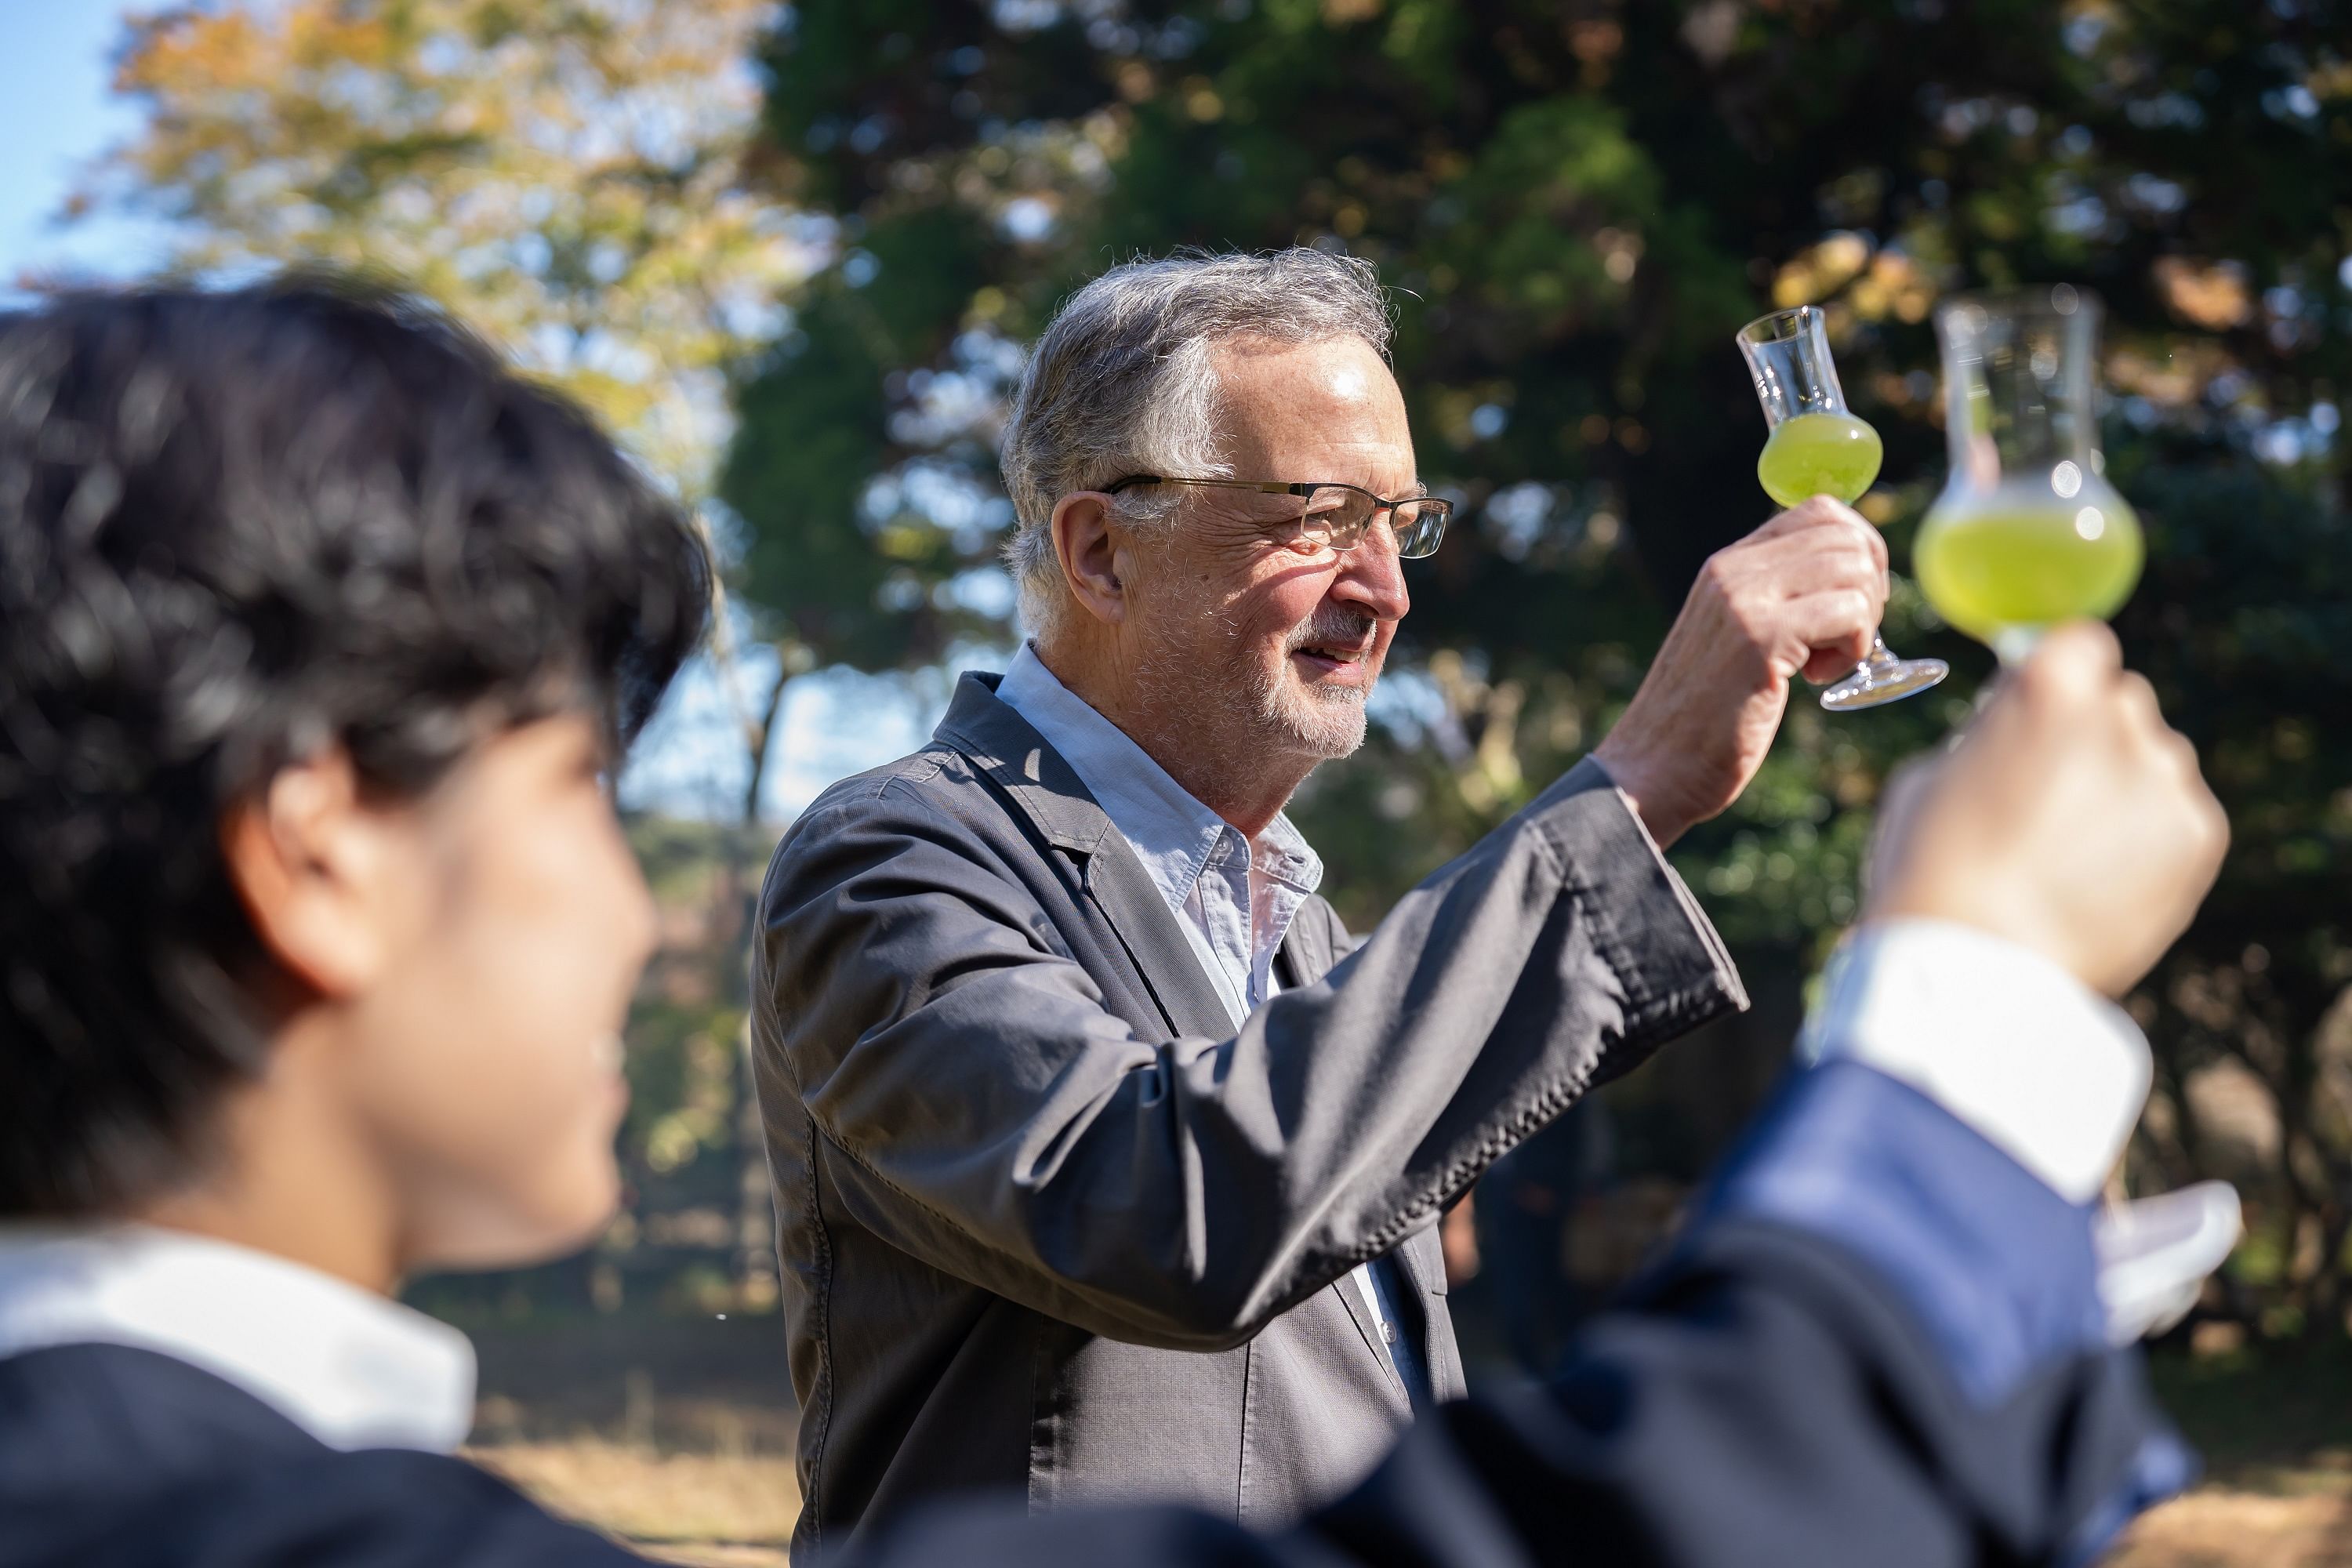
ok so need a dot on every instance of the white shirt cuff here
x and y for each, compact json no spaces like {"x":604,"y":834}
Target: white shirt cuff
{"x":2001,"y":1037}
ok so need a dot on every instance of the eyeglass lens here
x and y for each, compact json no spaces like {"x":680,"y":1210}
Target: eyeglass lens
{"x":1335,"y":516}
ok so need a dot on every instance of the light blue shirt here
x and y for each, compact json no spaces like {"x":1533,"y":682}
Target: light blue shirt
{"x":1235,"y":900}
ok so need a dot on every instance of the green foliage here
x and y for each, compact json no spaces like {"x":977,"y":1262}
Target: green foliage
{"x":804,"y":558}
{"x":1578,"y":204}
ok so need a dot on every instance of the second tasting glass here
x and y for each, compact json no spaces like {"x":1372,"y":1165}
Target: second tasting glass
{"x":2028,"y":532}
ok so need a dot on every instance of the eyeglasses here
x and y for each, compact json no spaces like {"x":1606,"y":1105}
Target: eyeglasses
{"x":1331,"y":516}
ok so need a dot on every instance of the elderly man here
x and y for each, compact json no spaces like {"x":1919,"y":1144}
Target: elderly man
{"x":1105,"y":1160}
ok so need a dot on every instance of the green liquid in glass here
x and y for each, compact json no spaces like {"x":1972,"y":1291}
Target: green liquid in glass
{"x":1819,"y":455}
{"x":2004,"y":568}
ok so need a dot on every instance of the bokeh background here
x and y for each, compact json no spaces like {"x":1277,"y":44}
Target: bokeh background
{"x":793,"y":254}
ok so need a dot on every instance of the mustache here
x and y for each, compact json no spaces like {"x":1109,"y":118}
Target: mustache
{"x":1343,"y":628}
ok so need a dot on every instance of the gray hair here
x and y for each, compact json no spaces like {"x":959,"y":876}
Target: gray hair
{"x":1122,"y":383}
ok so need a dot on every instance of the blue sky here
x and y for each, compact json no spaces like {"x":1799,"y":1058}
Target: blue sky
{"x":56,"y":114}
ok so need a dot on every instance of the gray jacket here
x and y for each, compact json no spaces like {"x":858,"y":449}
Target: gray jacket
{"x":1046,"y":1222}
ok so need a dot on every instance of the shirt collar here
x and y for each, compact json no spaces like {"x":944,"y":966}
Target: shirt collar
{"x":1170,"y":832}
{"x":351,"y":1368}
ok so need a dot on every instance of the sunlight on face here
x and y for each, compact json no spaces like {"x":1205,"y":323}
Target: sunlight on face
{"x":1253,"y":645}
{"x":1348,"y":382}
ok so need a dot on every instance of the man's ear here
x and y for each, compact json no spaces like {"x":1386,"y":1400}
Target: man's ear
{"x":309,"y":860}
{"x":1086,"y":538}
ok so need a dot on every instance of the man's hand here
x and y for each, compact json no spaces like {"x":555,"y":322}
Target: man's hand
{"x":2070,"y":818}
{"x":1799,"y":595}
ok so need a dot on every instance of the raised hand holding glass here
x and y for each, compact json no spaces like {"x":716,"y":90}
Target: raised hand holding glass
{"x":1818,"y":446}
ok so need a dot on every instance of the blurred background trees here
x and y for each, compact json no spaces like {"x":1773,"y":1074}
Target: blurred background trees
{"x":797,"y":251}
{"x":573,"y":177}
{"x":1578,"y":202}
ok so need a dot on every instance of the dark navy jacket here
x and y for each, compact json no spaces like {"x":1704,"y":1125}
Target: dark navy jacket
{"x":1878,"y":1343}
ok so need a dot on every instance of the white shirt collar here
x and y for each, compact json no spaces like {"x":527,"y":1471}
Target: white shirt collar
{"x":1171,"y":833}
{"x":354,"y":1370}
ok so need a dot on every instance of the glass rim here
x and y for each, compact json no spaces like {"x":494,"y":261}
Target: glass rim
{"x":1797,"y":319}
{"x":2065,"y":301}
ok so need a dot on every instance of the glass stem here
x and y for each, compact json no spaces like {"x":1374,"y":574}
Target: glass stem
{"x":1880,"y":660}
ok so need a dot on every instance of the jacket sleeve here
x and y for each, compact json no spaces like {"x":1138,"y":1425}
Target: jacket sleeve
{"x":1778,"y":1391}
{"x":995,"y":1119}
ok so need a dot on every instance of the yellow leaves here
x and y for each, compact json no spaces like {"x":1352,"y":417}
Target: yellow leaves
{"x":1892,"y":286}
{"x":1595,"y":42}
{"x":1819,"y":270}
{"x":1874,"y":287}
{"x":2210,"y":294}
{"x":1621,"y":252}
{"x":570,"y":177}
{"x":1201,"y":101}
{"x":1489,"y":776}
{"x":1134,"y":80}
{"x":2331,"y":79}
{"x":903,"y":542}
{"x":2174,"y":378}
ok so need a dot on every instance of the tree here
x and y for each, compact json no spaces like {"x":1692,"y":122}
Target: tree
{"x":1578,"y":202}
{"x":571,"y":178}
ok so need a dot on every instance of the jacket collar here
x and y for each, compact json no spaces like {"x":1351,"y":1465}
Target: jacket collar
{"x":1006,"y":748}
{"x":1009,"y":752}
{"x":353,"y":1369}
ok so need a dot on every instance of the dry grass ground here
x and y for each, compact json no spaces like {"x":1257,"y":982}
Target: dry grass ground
{"x":715,"y":1511}
{"x":696,"y":1508}
{"x":2305,"y":1524}
{"x":677,"y":1439}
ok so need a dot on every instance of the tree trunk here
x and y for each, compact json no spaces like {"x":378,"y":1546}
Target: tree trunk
{"x":763,"y":733}
{"x":755,"y":1210}
{"x":755,"y":1257}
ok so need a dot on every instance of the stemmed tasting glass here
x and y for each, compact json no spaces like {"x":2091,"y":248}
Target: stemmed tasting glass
{"x":2027,"y":532}
{"x":1817,"y":447}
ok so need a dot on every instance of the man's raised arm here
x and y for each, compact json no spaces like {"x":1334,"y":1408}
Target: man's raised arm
{"x":1003,"y":1121}
{"x":999,"y":1122}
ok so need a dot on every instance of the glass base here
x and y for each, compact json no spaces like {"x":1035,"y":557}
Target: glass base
{"x":1884,"y":678}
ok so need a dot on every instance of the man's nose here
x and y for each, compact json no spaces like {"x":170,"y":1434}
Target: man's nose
{"x":1372,"y":575}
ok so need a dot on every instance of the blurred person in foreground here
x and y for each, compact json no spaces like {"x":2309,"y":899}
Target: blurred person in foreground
{"x":319,"y":638}
{"x":1108,"y":1164}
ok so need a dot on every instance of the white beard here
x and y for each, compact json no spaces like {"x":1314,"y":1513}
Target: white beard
{"x":1326,"y":722}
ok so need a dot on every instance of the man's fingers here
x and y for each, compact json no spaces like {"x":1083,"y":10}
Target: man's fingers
{"x":1817,"y":511}
{"x":1814,"y":511}
{"x":2071,"y":817}
{"x":1878,"y":545}
{"x":1818,"y":563}
{"x":1816,"y":551}
{"x":1805,"y":514}
{"x":2136,"y":698}
{"x":1834,"y":626}
{"x":2075,"y":663}
{"x":1907,"y":788}
{"x":2214,"y":823}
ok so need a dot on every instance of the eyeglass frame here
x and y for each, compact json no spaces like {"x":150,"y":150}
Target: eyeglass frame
{"x":1303,"y":491}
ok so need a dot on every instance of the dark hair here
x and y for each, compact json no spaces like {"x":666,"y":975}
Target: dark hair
{"x":234,"y":527}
